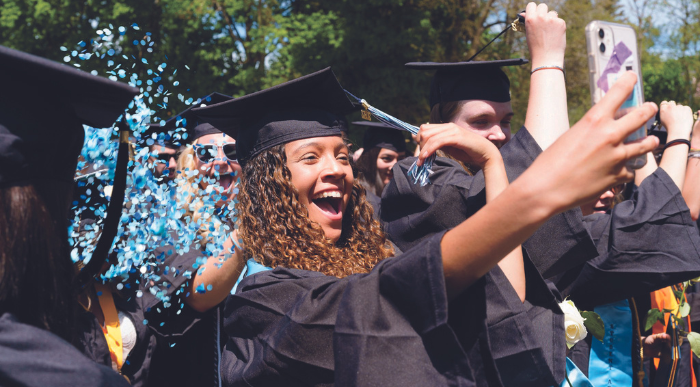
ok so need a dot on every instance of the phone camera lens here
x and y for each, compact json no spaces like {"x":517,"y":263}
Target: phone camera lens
{"x":602,"y":47}
{"x":601,"y":33}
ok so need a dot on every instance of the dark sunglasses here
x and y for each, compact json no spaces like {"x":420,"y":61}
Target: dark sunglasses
{"x":165,"y":157}
{"x":207,"y":153}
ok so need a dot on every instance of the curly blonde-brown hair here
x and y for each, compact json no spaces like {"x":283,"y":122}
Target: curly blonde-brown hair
{"x":276,"y":229}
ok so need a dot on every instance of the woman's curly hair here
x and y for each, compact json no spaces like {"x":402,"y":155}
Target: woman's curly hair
{"x":276,"y":229}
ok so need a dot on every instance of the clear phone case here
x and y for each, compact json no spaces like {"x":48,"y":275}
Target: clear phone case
{"x":612,"y":51}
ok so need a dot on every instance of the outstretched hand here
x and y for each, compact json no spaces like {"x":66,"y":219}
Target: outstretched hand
{"x":590,"y":157}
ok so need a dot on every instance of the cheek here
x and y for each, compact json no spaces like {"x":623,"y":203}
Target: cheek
{"x":383,"y":166}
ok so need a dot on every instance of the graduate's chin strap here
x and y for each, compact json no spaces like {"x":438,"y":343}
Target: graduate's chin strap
{"x":114,"y":212}
{"x":420,"y":175}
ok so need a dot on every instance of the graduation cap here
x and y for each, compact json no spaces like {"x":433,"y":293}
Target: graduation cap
{"x":190,"y":120}
{"x":460,"y":81}
{"x":310,"y":106}
{"x":380,"y":135}
{"x":43,"y":106}
{"x":157,"y":134}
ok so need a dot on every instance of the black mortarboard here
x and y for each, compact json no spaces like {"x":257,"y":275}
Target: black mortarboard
{"x":380,"y":135}
{"x":157,"y":134}
{"x":190,"y":120}
{"x":43,"y":105}
{"x":310,"y":106}
{"x":460,"y":81}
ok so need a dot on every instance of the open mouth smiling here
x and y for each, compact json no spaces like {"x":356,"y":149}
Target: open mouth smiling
{"x":329,"y":202}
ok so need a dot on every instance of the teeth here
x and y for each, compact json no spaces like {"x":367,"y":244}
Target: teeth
{"x":328,"y":194}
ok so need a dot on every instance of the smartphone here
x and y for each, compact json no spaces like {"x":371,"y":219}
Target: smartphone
{"x":612,"y":51}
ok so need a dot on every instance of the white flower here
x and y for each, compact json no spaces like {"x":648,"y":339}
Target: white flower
{"x":573,"y":323}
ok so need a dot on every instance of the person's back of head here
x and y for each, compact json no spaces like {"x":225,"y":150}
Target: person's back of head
{"x":41,"y":135}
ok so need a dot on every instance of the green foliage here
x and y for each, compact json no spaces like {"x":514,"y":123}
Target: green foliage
{"x":654,"y":315}
{"x":684,"y":309}
{"x":663,"y":80}
{"x":241,"y":46}
{"x":694,"y":340}
{"x":594,"y":324}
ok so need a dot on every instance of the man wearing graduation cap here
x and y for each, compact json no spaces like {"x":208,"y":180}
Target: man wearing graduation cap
{"x":163,"y":148}
{"x":38,"y":158}
{"x":474,"y":96}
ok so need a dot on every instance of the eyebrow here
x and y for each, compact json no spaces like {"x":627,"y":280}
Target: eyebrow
{"x":306,"y":145}
{"x":311,"y":144}
{"x":485,"y":115}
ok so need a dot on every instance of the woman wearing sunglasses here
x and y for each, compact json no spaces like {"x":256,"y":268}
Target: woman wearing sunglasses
{"x":209,"y":179}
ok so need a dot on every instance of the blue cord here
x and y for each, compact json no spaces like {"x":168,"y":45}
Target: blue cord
{"x":420,"y":175}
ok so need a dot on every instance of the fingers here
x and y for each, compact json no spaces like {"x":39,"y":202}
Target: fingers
{"x":530,"y":9}
{"x":542,"y":9}
{"x":635,"y":120}
{"x":641,"y":147}
{"x":617,"y":94}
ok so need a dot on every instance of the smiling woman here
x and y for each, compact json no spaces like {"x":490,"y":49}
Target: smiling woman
{"x":354,"y":313}
{"x":304,"y":197}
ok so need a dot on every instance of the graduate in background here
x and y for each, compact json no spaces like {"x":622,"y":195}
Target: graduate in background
{"x":164,"y":151}
{"x":645,"y":243}
{"x":474,"y":97}
{"x":208,"y":173}
{"x":38,"y":158}
{"x":382,"y":147}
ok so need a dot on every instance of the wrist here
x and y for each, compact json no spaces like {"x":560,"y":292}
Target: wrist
{"x":547,"y":62}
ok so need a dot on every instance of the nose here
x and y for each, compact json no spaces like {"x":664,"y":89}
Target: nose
{"x":391,"y":164}
{"x":496,"y":135}
{"x":333,"y":170}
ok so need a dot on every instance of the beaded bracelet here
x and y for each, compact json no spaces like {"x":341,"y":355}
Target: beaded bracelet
{"x":676,"y":142}
{"x":550,"y":67}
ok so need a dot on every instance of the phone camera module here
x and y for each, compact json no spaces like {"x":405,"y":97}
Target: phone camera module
{"x":601,"y":33}
{"x":602,"y":47}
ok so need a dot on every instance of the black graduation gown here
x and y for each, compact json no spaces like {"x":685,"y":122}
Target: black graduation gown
{"x":375,"y":201}
{"x":156,"y":326}
{"x":390,"y":327}
{"x":30,"y":356}
{"x":189,"y":350}
{"x":645,"y":243}
{"x":560,"y":244}
{"x":537,"y":354}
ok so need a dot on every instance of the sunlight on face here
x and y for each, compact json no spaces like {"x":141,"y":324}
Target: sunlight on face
{"x":322,"y":175}
{"x":490,"y":120}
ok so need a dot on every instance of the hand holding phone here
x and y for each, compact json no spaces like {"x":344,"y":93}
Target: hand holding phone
{"x":612,"y":51}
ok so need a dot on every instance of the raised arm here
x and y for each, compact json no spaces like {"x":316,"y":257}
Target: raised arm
{"x":221,"y":273}
{"x":558,"y":179}
{"x":678,"y":121}
{"x":473,"y":149}
{"x":547,"y":116}
{"x":691,"y":187}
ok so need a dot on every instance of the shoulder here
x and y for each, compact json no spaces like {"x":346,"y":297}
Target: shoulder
{"x":36,"y":357}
